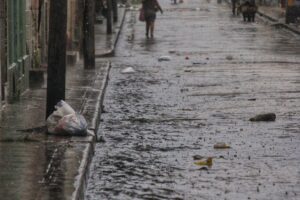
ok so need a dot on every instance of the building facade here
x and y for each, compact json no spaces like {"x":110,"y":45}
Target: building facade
{"x":24,"y":28}
{"x":15,"y":59}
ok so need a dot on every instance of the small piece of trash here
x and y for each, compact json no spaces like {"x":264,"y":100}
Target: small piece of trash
{"x":268,"y":117}
{"x":164,"y":58}
{"x":128,"y":70}
{"x":199,"y":63}
{"x":229,"y":57}
{"x":172,"y":51}
{"x":101,"y":139}
{"x":188,"y":70}
{"x":198,"y":157}
{"x":203,"y":168}
{"x":184,"y":90}
{"x":252,"y":99}
{"x":221,"y":145}
{"x":207,"y":162}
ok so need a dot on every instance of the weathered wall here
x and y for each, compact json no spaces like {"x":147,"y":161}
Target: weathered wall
{"x":3,"y":57}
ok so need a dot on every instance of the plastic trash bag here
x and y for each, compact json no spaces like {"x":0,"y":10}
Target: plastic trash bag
{"x":128,"y":70}
{"x":65,"y":121}
{"x":72,"y":124}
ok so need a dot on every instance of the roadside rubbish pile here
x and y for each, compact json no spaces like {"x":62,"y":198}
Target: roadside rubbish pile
{"x":65,"y":121}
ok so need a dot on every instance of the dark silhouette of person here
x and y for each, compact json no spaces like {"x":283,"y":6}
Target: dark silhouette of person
{"x":150,"y":8}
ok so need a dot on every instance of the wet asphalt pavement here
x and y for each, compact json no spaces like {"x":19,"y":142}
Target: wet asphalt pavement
{"x":222,"y":72}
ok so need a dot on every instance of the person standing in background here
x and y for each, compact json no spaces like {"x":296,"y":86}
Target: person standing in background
{"x":150,"y":8}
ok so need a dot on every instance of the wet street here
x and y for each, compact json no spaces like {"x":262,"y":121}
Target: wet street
{"x":222,"y":71}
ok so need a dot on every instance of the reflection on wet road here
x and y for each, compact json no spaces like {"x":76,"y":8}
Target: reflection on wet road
{"x":222,"y":72}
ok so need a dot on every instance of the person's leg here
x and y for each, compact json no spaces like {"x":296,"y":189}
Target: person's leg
{"x":147,"y":28}
{"x":233,"y":2}
{"x":152,"y":29}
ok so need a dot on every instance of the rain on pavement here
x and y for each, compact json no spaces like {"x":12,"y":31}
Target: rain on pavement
{"x":222,"y":72}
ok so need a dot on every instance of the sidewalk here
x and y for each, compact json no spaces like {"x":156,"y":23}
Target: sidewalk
{"x":35,"y":165}
{"x":277,"y":15}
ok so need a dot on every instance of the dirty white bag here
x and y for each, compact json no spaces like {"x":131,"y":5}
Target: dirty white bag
{"x":72,"y":124}
{"x":59,"y":123}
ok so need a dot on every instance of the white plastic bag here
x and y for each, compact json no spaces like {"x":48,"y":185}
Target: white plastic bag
{"x":72,"y":124}
{"x":128,"y":70}
{"x":65,"y":121}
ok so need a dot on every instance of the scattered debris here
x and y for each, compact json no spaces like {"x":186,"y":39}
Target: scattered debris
{"x":207,"y":161}
{"x":253,"y":99}
{"x":268,"y":117}
{"x":221,"y":145}
{"x":199,"y":63}
{"x":164,"y":58}
{"x":229,"y":57}
{"x":101,"y":139}
{"x":198,"y":157}
{"x":187,"y":58}
{"x":128,"y":70}
{"x":203,"y":168}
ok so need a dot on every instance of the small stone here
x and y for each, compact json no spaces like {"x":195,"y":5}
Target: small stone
{"x":229,"y":57}
{"x":164,"y":58}
{"x":101,"y":139}
{"x":203,"y":169}
{"x":264,"y":117}
{"x":197,"y":157}
{"x":221,"y":145}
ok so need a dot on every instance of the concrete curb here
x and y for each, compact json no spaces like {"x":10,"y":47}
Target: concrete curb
{"x":100,"y":98}
{"x":83,"y":171}
{"x":111,"y":52}
{"x":261,"y":14}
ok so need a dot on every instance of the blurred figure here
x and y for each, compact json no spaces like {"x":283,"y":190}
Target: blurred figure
{"x":248,"y":9}
{"x":150,"y":8}
{"x":234,"y":6}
